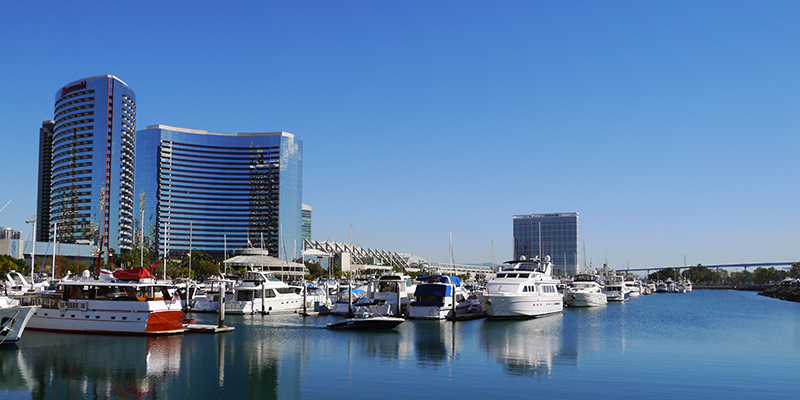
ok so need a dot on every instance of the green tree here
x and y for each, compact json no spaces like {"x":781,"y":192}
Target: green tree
{"x":741,"y":278}
{"x":203,"y":266}
{"x":768,"y":275}
{"x":8,"y":263}
{"x":794,"y":272}
{"x":315,"y":270}
{"x":664,"y":274}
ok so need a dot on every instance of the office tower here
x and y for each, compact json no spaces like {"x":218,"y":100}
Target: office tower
{"x":43,"y":187}
{"x":555,"y":235}
{"x":92,"y":165}
{"x":219,"y":189}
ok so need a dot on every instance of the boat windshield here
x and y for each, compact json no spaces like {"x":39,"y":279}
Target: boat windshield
{"x":114,"y":292}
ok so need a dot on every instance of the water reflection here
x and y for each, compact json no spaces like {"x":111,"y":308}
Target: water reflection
{"x":55,"y":365}
{"x":435,"y":342}
{"x":525,"y":347}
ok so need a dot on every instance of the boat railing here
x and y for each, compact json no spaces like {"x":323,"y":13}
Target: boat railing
{"x":44,"y":300}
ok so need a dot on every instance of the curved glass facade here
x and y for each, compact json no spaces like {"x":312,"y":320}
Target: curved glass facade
{"x":224,"y":188}
{"x":93,"y":162}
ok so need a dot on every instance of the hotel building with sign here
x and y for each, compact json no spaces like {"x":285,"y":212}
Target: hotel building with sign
{"x":219,"y":191}
{"x":86,"y":164}
{"x":555,"y":235}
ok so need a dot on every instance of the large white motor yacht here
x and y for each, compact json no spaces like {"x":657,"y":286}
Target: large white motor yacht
{"x":129,"y":304}
{"x":615,"y":289}
{"x":262,"y":292}
{"x":437,"y":297}
{"x":585,"y":291}
{"x":634,"y":286}
{"x":525,"y":290}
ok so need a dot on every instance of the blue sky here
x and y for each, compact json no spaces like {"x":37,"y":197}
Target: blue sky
{"x":671,"y":127}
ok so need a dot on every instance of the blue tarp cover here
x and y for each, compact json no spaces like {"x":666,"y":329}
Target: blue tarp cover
{"x":433,"y":289}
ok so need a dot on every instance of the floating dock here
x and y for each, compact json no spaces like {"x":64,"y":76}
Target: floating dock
{"x":202,"y":328}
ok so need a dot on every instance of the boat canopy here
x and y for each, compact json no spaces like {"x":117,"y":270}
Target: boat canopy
{"x":441,"y":279}
{"x":136,"y":273}
{"x":433,"y":290}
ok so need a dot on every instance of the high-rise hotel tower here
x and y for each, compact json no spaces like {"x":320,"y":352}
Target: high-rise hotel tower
{"x":209,"y":191}
{"x":92,"y":163}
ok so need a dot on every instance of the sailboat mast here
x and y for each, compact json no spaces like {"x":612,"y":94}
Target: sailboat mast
{"x":55,"y":234}
{"x":452,"y":263}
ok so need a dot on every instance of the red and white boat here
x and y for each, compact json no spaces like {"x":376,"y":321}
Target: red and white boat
{"x":130,"y":304}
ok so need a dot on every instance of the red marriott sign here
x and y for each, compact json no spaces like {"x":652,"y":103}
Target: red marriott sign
{"x":72,"y":88}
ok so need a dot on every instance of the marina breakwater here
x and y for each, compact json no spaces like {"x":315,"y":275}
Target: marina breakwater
{"x":782,"y":292}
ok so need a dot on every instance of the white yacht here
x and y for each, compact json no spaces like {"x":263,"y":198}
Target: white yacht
{"x":437,"y":296}
{"x":634,"y":286}
{"x":585,"y":291}
{"x":316,"y":298}
{"x":347,"y":299}
{"x":130,"y":304}
{"x":670,"y":285}
{"x":386,"y":289}
{"x":262,"y":292}
{"x":524,"y":290}
{"x":615,"y":289}
{"x":211,"y":289}
{"x":13,"y":319}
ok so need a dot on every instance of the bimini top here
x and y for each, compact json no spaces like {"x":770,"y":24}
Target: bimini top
{"x":440,"y":279}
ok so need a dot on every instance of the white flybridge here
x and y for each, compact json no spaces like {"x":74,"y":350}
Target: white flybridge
{"x":524,"y":290}
{"x":585,"y":291}
{"x":262,"y":292}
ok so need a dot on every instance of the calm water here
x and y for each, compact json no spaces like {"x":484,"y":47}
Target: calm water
{"x":716,"y":344}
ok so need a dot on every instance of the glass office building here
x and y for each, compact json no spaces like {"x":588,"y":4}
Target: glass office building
{"x":92,"y":162}
{"x":555,"y":235}
{"x":219,"y":190}
{"x":43,"y":187}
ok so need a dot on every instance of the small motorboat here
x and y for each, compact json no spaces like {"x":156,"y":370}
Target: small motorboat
{"x":367,"y":321}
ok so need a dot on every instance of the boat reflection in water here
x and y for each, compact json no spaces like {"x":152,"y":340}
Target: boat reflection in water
{"x":529,"y":347}
{"x":435,"y":342}
{"x":57,"y":366}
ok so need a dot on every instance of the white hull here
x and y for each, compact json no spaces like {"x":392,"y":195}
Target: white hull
{"x":101,"y":317}
{"x":429,"y":312}
{"x":618,"y":297}
{"x":583,"y":299}
{"x":514,"y":306}
{"x":280,"y":304}
{"x":14,"y":319}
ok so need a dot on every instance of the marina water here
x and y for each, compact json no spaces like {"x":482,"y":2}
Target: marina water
{"x":703,"y":344}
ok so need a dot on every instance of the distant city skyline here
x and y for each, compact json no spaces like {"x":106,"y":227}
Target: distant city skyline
{"x":670,"y":127}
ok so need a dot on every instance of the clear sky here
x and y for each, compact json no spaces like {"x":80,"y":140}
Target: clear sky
{"x":673,"y":128}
